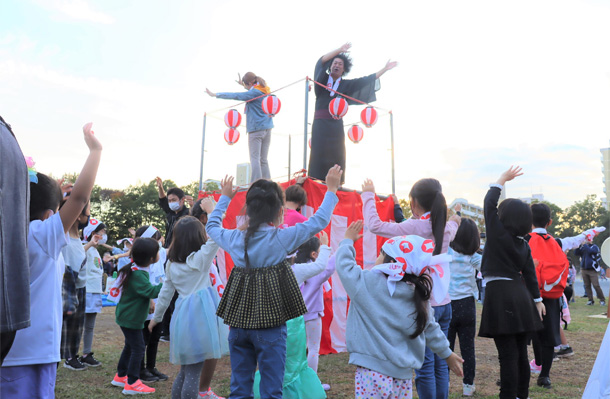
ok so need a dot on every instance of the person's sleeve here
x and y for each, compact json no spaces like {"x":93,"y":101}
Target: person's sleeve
{"x":348,"y":270}
{"x":475,"y":261}
{"x":116,"y":251}
{"x":375,"y":225}
{"x":165,"y":297}
{"x":305,"y":271}
{"x":202,"y":259}
{"x":292,"y":237}
{"x":319,"y":72}
{"x":594,"y":249}
{"x":144,"y":287}
{"x":451,"y":229}
{"x":578,"y":251}
{"x":569,"y":243}
{"x":50,"y":235}
{"x":222,"y":237}
{"x":164,"y":204}
{"x":399,"y":216}
{"x":490,"y":210}
{"x":240,"y":96}
{"x":435,"y":339}
{"x":529,"y":276}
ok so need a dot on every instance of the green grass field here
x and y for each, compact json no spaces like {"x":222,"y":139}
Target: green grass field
{"x":569,"y":376}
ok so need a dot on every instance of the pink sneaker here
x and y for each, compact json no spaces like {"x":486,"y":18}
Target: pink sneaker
{"x":119,"y":381}
{"x":137,"y":388}
{"x":534,"y":368}
{"x":209,"y":394}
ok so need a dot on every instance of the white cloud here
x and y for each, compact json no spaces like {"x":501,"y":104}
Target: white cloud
{"x":78,"y":10}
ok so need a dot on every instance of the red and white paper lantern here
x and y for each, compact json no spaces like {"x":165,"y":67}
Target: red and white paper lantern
{"x":338,"y":108}
{"x":369,"y":116}
{"x":231,"y":136}
{"x":355,"y":133}
{"x":271,"y":105}
{"x":232,"y":118}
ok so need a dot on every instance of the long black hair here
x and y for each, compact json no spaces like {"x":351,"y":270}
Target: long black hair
{"x":421,"y":296}
{"x":467,"y":238}
{"x":187,"y":237}
{"x":305,"y":250}
{"x":143,"y":253}
{"x":264,"y":201}
{"x":429,"y":195}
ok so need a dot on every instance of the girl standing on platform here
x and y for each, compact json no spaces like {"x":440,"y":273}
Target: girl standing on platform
{"x":262,"y":292}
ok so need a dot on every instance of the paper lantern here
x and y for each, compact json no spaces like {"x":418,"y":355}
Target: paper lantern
{"x":231,"y":136}
{"x":232,"y":118}
{"x":338,"y":108}
{"x":355,"y":133}
{"x":369,"y":116}
{"x":271,"y":105}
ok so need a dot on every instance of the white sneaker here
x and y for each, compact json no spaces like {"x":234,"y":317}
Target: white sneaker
{"x":468,"y":390}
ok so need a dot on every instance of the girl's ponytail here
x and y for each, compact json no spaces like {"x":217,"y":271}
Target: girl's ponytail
{"x":421,"y":295}
{"x":438,"y":218}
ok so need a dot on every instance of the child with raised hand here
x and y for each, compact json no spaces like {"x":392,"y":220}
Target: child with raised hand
{"x":429,"y":220}
{"x":136,"y":291}
{"x":30,"y":368}
{"x":199,"y":337}
{"x":262,"y":292}
{"x":390,"y":321}
{"x":465,"y":263}
{"x":94,"y":235}
{"x":512,"y":308}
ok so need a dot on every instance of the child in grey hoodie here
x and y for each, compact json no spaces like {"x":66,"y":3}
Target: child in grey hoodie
{"x":390,"y":323}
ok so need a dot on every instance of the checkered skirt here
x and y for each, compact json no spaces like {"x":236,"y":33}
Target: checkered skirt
{"x":263,"y":297}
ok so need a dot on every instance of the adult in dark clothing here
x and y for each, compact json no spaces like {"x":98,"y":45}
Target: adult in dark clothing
{"x":587,"y":253}
{"x":173,"y":206}
{"x":14,"y":224}
{"x":327,"y":134}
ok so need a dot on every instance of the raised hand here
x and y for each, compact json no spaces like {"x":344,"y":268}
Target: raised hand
{"x":333,"y":178}
{"x":353,"y":231}
{"x":226,"y":187}
{"x":390,"y":65}
{"x":345,"y":48}
{"x":159,"y":182}
{"x":210,"y":93}
{"x":369,"y":187}
{"x":510,"y":174}
{"x":323,"y":238}
{"x":92,"y":142}
{"x":207,"y":205}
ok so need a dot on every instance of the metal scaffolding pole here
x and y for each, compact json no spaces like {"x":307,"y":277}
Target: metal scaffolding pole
{"x":202,"y":151}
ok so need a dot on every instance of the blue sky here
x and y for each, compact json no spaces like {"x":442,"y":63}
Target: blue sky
{"x":480,"y":86}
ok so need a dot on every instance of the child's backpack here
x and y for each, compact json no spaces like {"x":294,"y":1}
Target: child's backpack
{"x":553,"y":265}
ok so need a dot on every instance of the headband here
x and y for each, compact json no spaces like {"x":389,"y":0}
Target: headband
{"x":149,"y":232}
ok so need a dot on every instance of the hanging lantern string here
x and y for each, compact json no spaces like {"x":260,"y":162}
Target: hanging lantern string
{"x":263,"y":95}
{"x":346,"y":96}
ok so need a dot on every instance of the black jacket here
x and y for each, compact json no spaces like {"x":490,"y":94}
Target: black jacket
{"x":172,"y":217}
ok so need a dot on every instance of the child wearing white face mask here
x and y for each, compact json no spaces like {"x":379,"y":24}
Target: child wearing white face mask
{"x":94,"y":234}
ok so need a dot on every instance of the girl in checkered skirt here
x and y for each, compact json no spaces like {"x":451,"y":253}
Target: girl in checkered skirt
{"x":262,"y":292}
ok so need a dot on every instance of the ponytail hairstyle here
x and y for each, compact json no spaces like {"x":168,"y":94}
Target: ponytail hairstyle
{"x":250,"y":78}
{"x":421,"y":296}
{"x":429,"y":195}
{"x":143,"y":253}
{"x":467,"y":239}
{"x":187,"y":237}
{"x":264,"y":201}
{"x":305,"y":250}
{"x":44,"y":195}
{"x":297,"y":194}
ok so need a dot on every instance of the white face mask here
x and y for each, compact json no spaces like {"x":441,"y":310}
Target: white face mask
{"x":174,"y":206}
{"x":103,"y":240}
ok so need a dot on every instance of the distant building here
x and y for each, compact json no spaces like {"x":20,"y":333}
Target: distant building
{"x":243,"y":174}
{"x":606,"y":174}
{"x":533,"y":198}
{"x":472,"y":211}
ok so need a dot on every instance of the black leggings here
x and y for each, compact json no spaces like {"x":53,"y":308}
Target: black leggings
{"x":131,"y":357}
{"x":151,"y":340}
{"x":464,"y":324}
{"x":514,"y":365}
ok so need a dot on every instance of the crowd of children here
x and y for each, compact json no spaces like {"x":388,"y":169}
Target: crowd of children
{"x":404,"y":315}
